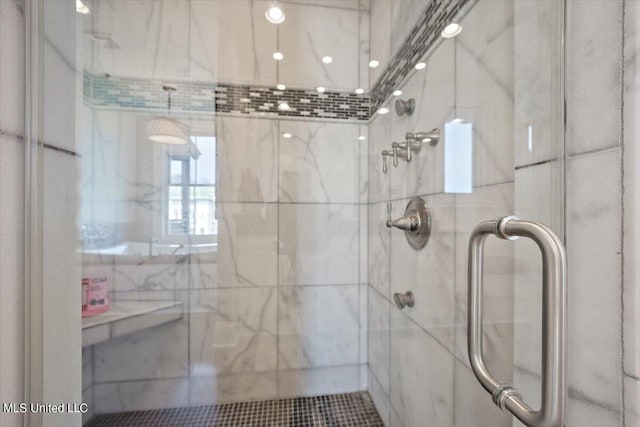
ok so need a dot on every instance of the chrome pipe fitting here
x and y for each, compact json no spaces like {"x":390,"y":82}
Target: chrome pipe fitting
{"x":405,"y":107}
{"x":404,"y":300}
{"x":432,"y":136}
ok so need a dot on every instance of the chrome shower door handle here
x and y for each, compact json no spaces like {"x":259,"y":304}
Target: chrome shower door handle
{"x":554,"y":321}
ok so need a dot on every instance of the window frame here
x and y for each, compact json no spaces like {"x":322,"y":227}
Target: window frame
{"x":187,"y":191}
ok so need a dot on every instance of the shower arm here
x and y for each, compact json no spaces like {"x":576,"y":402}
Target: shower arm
{"x":432,"y":137}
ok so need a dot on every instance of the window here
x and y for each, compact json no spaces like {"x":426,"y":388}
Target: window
{"x":191,"y":186}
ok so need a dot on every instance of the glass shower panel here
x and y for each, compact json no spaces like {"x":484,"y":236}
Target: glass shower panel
{"x":495,"y":91}
{"x":509,"y":64}
{"x":222,"y":193}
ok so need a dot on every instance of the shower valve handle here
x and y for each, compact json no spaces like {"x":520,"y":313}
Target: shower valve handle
{"x":395,"y":154}
{"x":407,"y":145}
{"x":385,"y":154}
{"x":408,"y":223}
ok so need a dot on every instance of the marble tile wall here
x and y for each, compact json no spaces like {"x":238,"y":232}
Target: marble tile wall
{"x":11,"y":207}
{"x":281,"y":310}
{"x":303,"y":37}
{"x":631,"y":180}
{"x":230,"y":42}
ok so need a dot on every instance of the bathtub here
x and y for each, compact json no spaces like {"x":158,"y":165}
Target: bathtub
{"x":137,"y":252}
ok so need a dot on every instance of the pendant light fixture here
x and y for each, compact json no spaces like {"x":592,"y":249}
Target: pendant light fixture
{"x":167,"y":130}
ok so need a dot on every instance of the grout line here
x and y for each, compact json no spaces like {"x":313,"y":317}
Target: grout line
{"x":596,"y":151}
{"x":323,"y":6}
{"x":630,"y":376}
{"x":20,"y":138}
{"x":622,"y":217}
{"x":541,"y":162}
{"x":455,"y":240}
{"x":400,"y":199}
{"x":61,"y":150}
{"x":229,"y":288}
{"x":278,"y":272}
{"x":290,"y":203}
{"x":12,"y":135}
{"x":375,"y":376}
{"x":360,"y":308}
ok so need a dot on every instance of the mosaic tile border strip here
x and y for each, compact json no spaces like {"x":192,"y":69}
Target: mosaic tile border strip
{"x":344,"y":410}
{"x":420,"y":40}
{"x":100,"y":90}
{"x":196,"y":97}
{"x":302,"y":103}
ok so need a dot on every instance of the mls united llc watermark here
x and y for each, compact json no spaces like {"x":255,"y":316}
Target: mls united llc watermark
{"x":47,"y":408}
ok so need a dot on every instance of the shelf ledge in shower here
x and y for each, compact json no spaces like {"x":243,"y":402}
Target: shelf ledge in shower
{"x":126,"y":317}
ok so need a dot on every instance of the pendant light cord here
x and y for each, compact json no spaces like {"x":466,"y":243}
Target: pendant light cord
{"x":169,"y":89}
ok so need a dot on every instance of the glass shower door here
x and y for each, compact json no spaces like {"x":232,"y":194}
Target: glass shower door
{"x":495,"y":91}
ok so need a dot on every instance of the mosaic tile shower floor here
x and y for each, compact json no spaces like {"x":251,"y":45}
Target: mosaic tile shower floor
{"x":348,"y":410}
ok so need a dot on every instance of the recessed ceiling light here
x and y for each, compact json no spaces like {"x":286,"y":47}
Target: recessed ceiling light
{"x":383,"y":110}
{"x":283,"y":106}
{"x":287,"y":135}
{"x":327,"y":60}
{"x":274,"y":13}
{"x":280,"y":86}
{"x":278,"y":56}
{"x":362,"y":138}
{"x":320,"y":89}
{"x":420,"y":65}
{"x":82,"y":8}
{"x":359,"y":91}
{"x":374,"y":63}
{"x":397,"y":92}
{"x":451,"y":30}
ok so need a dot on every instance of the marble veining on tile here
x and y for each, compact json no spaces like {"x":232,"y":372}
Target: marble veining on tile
{"x":318,"y":326}
{"x":318,"y":244}
{"x":310,"y":158}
